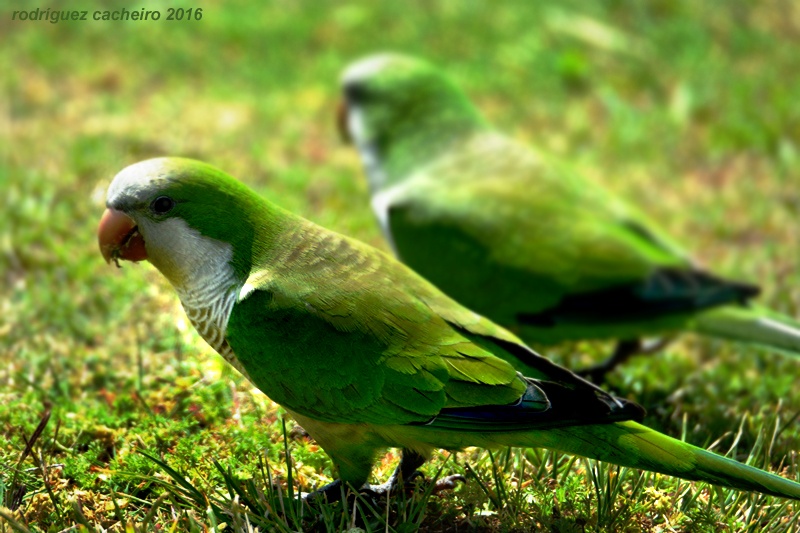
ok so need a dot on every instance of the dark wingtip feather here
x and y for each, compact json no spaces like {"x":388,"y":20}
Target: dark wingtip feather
{"x":544,"y":405}
{"x":666,"y":291}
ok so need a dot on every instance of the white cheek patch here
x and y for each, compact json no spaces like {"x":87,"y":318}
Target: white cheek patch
{"x":357,"y":127}
{"x":182,"y":253}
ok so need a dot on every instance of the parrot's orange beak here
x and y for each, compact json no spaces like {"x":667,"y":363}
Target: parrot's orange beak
{"x":119,"y":238}
{"x":341,"y":122}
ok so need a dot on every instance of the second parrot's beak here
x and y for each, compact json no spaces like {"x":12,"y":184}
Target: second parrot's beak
{"x":119,"y":238}
{"x":341,"y":122}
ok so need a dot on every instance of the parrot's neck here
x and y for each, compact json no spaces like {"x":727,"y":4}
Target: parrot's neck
{"x":208,"y":303}
{"x":390,"y":157}
{"x":200,"y":268}
{"x":392,"y":165}
{"x":475,"y":153}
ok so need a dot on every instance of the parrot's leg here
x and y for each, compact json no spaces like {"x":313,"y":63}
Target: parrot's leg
{"x":353,"y":463}
{"x":406,"y":472}
{"x":624,"y":350}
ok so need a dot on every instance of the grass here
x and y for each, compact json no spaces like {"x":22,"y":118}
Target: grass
{"x":115,"y":416}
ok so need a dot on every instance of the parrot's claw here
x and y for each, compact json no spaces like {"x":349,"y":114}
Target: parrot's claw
{"x":625,"y":350}
{"x":297,"y":433}
{"x":448,"y":483}
{"x":655,"y":345}
{"x":398,"y":478}
{"x":333,"y":492}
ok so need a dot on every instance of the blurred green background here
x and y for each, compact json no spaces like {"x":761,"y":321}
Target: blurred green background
{"x":691,"y":109}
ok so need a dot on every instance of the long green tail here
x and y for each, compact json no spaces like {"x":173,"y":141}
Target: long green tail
{"x":634,"y":445}
{"x":752,"y":325}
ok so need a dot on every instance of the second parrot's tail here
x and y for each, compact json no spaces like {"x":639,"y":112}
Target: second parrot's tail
{"x":752,"y":325}
{"x":637,"y":446}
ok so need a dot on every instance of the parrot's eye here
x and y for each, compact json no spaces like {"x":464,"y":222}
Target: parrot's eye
{"x":355,"y":92}
{"x":162,"y":204}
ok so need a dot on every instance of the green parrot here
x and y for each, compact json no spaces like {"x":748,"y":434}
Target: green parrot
{"x":519,"y":239}
{"x":362,"y":351}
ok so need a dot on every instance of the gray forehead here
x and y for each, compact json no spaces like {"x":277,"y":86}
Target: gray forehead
{"x":136,"y":183}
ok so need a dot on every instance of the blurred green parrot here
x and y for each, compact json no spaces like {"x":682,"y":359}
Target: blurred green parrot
{"x":519,"y":239}
{"x":358,"y":348}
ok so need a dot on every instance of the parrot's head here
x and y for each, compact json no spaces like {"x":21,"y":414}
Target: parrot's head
{"x":380,"y":91}
{"x":392,"y":101}
{"x":184,"y":216}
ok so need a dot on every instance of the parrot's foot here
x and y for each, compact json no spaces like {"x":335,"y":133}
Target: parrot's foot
{"x":332,"y":492}
{"x":384,"y":489}
{"x":405,"y":476}
{"x":624,"y":350}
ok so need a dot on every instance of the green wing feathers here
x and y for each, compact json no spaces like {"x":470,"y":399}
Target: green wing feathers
{"x":332,"y":313}
{"x":522,"y":214}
